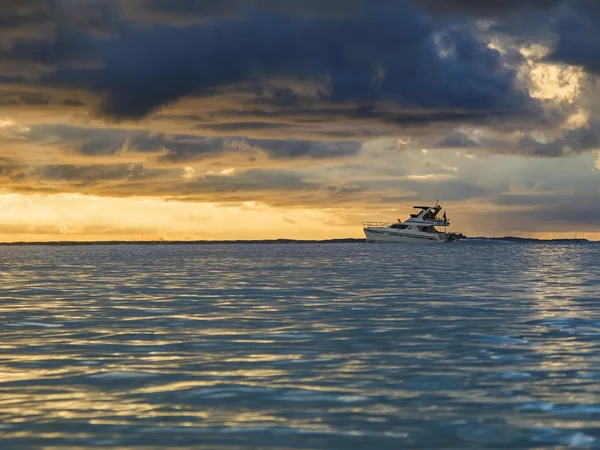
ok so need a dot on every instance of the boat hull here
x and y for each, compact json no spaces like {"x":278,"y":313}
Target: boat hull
{"x":382,"y":235}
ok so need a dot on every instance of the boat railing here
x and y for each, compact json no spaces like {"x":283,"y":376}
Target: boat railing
{"x":375,"y":224}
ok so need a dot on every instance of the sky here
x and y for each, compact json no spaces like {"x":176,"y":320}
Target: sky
{"x":265,"y":119}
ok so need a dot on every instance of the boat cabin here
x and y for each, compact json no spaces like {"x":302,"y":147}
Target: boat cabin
{"x":424,"y":229}
{"x":426,"y":212}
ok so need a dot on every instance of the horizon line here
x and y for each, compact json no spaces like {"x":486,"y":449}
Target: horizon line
{"x":268,"y":241}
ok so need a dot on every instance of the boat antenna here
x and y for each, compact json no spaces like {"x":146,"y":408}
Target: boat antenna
{"x":437,"y":200}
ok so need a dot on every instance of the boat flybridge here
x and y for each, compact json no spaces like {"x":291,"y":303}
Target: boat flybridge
{"x":419,"y":227}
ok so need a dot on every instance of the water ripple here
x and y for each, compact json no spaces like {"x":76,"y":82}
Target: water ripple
{"x":473,"y":345}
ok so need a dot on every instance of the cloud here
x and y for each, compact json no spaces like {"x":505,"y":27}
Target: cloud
{"x":49,"y":18}
{"x":192,"y":148}
{"x":450,"y":188}
{"x":549,"y":144}
{"x":72,"y":175}
{"x":90,"y":141}
{"x":486,"y":8}
{"x":19,"y":18}
{"x":184,"y":149}
{"x":377,"y":179}
{"x":457,"y":139}
{"x":146,"y":68}
{"x":186,"y":11}
{"x":119,"y":180}
{"x":355,"y":103}
{"x":235,"y":127}
{"x":544,"y":213}
{"x":578,"y":30}
{"x":252,"y":180}
{"x":178,"y":148}
{"x":61,"y":231}
{"x":278,"y":149}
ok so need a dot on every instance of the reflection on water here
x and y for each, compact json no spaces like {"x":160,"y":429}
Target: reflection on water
{"x":300,"y":346}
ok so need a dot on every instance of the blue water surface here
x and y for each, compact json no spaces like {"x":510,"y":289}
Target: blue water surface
{"x":468,"y":345}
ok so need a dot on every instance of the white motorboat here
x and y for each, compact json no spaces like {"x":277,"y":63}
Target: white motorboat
{"x":419,"y":227}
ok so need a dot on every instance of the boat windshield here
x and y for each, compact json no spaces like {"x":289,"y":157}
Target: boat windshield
{"x":429,"y":229}
{"x":430,"y":215}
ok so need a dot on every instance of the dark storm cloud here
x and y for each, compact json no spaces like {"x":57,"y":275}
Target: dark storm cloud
{"x":23,"y":17}
{"x":359,"y":116}
{"x":187,"y":10}
{"x":119,"y":179}
{"x":568,"y":142}
{"x":232,"y":127}
{"x":143,"y":54}
{"x":182,"y":11}
{"x":388,"y":53}
{"x":89,"y":174}
{"x":74,"y":175}
{"x":572,"y":142}
{"x":95,"y":141}
{"x":179,"y":148}
{"x":47,"y":19}
{"x":575,"y":24}
{"x":26,"y":60}
{"x":578,"y":29}
{"x":13,"y":98}
{"x":184,"y":149}
{"x":278,"y":149}
{"x":10,"y":8}
{"x":456,"y":139}
{"x":187,"y":149}
{"x":110,"y":141}
{"x":487,"y":7}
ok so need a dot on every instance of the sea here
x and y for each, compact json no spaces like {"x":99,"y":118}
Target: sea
{"x":471,"y":345}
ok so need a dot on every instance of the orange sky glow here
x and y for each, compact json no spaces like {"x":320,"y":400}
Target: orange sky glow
{"x":150,"y":128}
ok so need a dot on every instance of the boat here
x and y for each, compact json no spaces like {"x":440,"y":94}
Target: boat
{"x":420,"y":227}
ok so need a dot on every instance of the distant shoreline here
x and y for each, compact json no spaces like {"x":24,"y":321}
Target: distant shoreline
{"x":279,"y":241}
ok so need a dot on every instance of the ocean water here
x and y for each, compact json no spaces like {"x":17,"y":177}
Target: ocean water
{"x":468,"y":345}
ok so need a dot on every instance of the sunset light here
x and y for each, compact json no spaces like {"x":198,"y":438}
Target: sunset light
{"x":144,"y":104}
